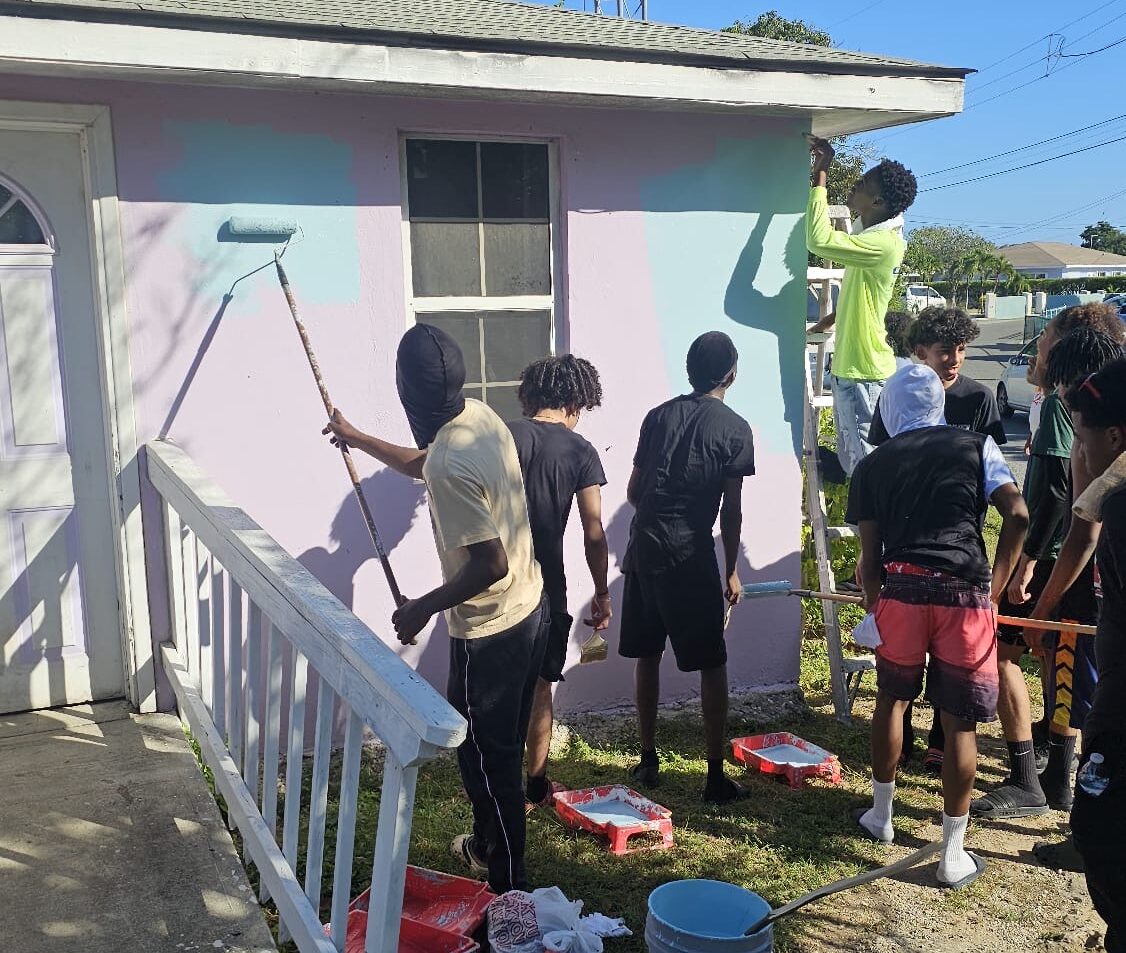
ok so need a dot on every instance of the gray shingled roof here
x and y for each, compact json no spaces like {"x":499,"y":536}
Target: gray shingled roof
{"x":1056,"y":254}
{"x":482,"y":25}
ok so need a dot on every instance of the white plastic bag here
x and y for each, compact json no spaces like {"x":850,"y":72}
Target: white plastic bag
{"x":543,"y":920}
{"x":867,"y":633}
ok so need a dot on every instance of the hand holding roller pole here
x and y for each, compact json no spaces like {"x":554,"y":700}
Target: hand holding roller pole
{"x":344,"y":451}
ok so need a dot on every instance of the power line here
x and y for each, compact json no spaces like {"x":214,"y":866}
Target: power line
{"x":1032,"y":145}
{"x":1027,"y":165}
{"x":1055,"y":32}
{"x":853,"y":16}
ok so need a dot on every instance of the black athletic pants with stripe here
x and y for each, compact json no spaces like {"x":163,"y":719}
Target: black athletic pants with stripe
{"x":492,"y":682}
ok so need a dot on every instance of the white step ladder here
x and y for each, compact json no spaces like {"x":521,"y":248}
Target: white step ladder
{"x":845,"y":672}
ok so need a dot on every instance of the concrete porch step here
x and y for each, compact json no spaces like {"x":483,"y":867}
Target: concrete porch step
{"x":110,"y":840}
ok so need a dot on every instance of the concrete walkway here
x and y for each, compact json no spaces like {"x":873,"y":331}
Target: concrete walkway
{"x":111,"y":842}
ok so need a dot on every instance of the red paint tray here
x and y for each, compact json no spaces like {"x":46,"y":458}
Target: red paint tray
{"x":785,"y":754}
{"x":617,"y":813}
{"x":413,"y":937}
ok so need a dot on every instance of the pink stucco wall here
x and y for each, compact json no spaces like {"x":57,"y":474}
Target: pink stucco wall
{"x":671,"y":225}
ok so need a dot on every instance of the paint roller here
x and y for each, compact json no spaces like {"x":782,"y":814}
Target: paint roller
{"x":761,"y":590}
{"x":251,"y":228}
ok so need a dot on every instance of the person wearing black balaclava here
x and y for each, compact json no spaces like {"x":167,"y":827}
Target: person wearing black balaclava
{"x":492,"y":593}
{"x":692,"y":455}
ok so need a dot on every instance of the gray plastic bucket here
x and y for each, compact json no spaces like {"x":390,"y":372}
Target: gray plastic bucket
{"x":706,"y":916}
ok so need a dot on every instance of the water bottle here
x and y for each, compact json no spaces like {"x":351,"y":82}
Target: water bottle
{"x":1093,"y":778}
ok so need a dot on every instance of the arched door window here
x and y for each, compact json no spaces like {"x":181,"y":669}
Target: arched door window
{"x":23,"y":229}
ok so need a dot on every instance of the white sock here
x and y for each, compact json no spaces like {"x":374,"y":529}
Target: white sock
{"x":877,"y":819}
{"x":955,"y":863}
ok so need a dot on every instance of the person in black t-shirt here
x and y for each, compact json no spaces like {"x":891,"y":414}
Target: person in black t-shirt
{"x":938,"y":337}
{"x":1098,"y":818}
{"x":691,"y":459}
{"x":559,"y":466}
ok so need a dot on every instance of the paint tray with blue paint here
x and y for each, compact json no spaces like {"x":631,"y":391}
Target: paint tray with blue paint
{"x":618,"y":814}
{"x":785,"y":755}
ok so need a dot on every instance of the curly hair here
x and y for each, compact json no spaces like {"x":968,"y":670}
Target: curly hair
{"x":897,"y":185}
{"x":1101,"y":399}
{"x":898,"y":326}
{"x":1078,"y":355}
{"x":949,"y":327}
{"x":1098,"y":315}
{"x":559,"y":383}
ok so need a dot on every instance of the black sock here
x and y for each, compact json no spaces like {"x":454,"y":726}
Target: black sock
{"x":1061,"y":754}
{"x":1022,"y":766}
{"x":535,"y":788}
{"x":649,"y":756}
{"x":715,"y":769}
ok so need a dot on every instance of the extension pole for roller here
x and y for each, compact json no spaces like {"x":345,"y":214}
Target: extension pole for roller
{"x":344,"y":451}
{"x":1044,"y":624}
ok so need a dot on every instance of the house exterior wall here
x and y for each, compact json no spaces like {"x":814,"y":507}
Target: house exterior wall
{"x":670,"y":225}
{"x":1084,"y":271}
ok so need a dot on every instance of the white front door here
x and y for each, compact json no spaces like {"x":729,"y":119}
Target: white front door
{"x":60,"y":636}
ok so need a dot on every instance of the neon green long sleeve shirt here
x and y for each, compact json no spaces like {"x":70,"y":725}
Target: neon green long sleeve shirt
{"x":870,"y":260}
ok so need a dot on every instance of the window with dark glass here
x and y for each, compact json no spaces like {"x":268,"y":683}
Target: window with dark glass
{"x":481,"y":250}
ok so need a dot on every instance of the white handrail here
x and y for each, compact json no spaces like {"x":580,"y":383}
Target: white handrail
{"x":242,"y":689}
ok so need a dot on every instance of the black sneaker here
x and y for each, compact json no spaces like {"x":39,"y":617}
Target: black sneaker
{"x":1059,"y":856}
{"x":724,"y":791}
{"x":647,"y":775}
{"x":464,"y":847}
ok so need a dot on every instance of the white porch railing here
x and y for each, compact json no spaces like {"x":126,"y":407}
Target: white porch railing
{"x":255,"y":632}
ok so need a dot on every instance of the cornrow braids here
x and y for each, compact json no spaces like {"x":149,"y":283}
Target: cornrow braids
{"x":1101,"y":399}
{"x":898,"y":186}
{"x":1078,"y":355}
{"x":559,"y":383}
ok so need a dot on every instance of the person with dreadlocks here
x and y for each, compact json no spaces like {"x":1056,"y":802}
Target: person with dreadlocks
{"x":492,"y":590}
{"x":692,"y":456}
{"x":862,"y":358}
{"x":559,"y":466}
{"x":1049,"y":492}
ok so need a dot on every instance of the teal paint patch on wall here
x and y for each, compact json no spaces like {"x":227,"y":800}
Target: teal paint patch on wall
{"x":726,"y":243}
{"x":227,"y":169}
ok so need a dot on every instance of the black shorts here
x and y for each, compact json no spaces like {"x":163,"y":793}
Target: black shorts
{"x":555,"y":657}
{"x":1011,"y":634}
{"x":683,"y":605}
{"x":1077,"y":605}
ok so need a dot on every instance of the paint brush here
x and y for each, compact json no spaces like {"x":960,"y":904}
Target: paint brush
{"x":594,"y":649}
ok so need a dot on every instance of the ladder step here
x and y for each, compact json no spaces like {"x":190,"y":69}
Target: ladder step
{"x":840,"y":532}
{"x":858,"y":663}
{"x":825,"y":400}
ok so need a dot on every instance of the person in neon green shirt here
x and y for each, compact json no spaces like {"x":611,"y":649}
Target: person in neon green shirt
{"x":871,"y":256}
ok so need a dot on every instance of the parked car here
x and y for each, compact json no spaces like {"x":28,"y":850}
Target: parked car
{"x":923,"y":296}
{"x":1014,"y":391}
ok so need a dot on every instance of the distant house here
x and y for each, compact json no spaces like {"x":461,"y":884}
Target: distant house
{"x":534,"y":180}
{"x":1060,"y":260}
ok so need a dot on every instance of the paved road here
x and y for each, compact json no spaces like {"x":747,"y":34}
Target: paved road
{"x":985,"y":362}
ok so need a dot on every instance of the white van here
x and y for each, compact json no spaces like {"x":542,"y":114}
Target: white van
{"x":923,"y":296}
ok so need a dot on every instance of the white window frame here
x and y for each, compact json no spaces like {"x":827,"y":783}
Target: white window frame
{"x":551,"y":302}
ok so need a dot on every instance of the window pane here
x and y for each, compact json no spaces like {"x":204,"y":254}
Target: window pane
{"x":442,"y":178}
{"x":514,"y":180}
{"x":5,"y":194}
{"x":477,"y":393}
{"x":445,"y":259}
{"x":513,"y":339}
{"x":463,"y":327}
{"x":517,"y":259}
{"x":18,"y":227}
{"x":505,"y":402}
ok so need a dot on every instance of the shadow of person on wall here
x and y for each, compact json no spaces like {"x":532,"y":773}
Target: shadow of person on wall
{"x":781,"y":314}
{"x":394,"y":502}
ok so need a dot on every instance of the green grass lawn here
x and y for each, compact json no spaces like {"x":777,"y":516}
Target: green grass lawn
{"x":780,"y":842}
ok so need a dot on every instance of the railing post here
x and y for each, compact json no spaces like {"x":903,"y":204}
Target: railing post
{"x":174,"y":562}
{"x":389,"y":868}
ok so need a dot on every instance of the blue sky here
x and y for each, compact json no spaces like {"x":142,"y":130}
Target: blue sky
{"x":1051,"y":202}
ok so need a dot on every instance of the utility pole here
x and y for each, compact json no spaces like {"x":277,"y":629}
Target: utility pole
{"x":622,"y":8}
